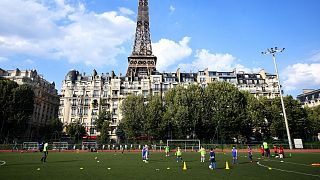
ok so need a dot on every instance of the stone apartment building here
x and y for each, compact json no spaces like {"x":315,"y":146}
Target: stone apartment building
{"x":309,"y":97}
{"x":46,"y":102}
{"x":83,"y":96}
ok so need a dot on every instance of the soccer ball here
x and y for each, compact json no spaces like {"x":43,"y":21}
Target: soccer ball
{"x":210,"y":167}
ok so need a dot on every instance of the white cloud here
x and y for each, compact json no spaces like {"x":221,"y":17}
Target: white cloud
{"x":301,"y":76}
{"x":126,"y":11}
{"x":62,"y":31}
{"x":172,"y":9}
{"x":205,"y":59}
{"x":169,"y":52}
{"x":215,"y":62}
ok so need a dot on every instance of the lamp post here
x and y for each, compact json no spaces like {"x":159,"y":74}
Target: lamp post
{"x":273,"y":52}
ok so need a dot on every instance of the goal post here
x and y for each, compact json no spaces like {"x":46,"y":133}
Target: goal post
{"x":30,"y":145}
{"x":88,"y":145}
{"x":60,"y":146}
{"x":193,"y":144}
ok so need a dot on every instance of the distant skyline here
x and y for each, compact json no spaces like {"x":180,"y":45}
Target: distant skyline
{"x":55,"y":36}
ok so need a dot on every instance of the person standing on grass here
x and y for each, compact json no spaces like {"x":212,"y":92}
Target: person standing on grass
{"x":203,"y":154}
{"x":281,"y":152}
{"x":275,"y":149}
{"x":167,"y":150}
{"x":250,"y":153}
{"x":262,"y":151}
{"x":45,"y":152}
{"x":179,"y":155}
{"x":234,"y":155}
{"x":145,"y":153}
{"x":266,"y":149}
{"x":212,"y":159}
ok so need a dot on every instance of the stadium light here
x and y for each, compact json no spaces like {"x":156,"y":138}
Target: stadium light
{"x":273,"y":52}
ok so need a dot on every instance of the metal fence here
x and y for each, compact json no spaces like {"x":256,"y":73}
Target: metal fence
{"x":152,"y":147}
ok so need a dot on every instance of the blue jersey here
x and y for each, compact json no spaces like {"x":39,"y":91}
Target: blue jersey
{"x":212,"y":156}
{"x":234,"y":153}
{"x":144,"y":151}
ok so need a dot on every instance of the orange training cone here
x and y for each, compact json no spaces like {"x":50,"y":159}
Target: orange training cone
{"x":184,"y":166}
{"x":227,"y":165}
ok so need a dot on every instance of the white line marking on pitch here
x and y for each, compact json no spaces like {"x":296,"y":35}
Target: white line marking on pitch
{"x":292,"y":163}
{"x":2,"y":163}
{"x":288,"y":171}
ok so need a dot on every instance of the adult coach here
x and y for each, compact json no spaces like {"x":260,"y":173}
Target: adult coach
{"x":45,"y":152}
{"x":266,"y":149}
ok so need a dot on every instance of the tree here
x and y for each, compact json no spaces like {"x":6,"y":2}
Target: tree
{"x":297,"y":118}
{"x":16,"y":103}
{"x":255,"y":114}
{"x":76,"y":130}
{"x":133,"y":111}
{"x":6,"y":104}
{"x":104,"y":132}
{"x":102,"y":124}
{"x":103,"y":116}
{"x":23,"y":105}
{"x":225,"y":111}
{"x":154,"y":114}
{"x":314,"y":120}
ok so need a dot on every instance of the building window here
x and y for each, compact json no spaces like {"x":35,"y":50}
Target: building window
{"x":86,"y":102}
{"x":105,"y":93}
{"x":95,"y":93}
{"x":74,"y":102}
{"x":73,"y":111}
{"x":145,"y":85}
{"x":156,"y":79}
{"x":135,"y":86}
{"x":80,"y":111}
{"x":85,"y":112}
{"x":156,"y":87}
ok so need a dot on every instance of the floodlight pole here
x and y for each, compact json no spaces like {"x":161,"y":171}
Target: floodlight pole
{"x":273,"y":52}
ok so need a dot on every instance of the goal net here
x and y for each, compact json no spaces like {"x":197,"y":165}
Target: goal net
{"x":88,"y":145}
{"x":30,"y":145}
{"x":184,"y":144}
{"x":60,"y":145}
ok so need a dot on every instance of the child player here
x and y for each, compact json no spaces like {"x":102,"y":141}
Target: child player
{"x":212,"y":159}
{"x":145,"y":153}
{"x":179,"y":155}
{"x":249,"y":153}
{"x":203,"y":154}
{"x":234,"y":155}
{"x":262,"y":151}
{"x":167,"y":150}
{"x":275,"y":149}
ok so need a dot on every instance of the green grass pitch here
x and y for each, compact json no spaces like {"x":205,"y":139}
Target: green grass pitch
{"x":66,"y":165}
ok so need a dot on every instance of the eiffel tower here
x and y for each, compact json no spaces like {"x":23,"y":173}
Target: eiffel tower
{"x":141,"y":61}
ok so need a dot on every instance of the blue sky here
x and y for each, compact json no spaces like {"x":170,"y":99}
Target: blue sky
{"x":54,"y":36}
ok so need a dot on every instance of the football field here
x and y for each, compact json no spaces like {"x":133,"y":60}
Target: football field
{"x":112,"y":165}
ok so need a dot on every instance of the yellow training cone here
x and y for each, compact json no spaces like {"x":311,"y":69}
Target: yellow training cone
{"x":184,"y":166}
{"x":227,"y":165}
